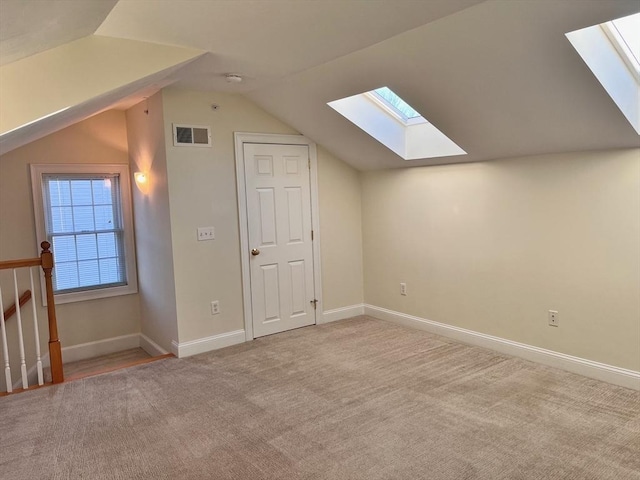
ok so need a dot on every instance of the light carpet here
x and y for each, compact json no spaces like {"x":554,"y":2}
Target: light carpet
{"x":356,"y":399}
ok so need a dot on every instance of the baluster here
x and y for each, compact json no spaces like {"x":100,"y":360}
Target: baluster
{"x":5,"y":349}
{"x":23,"y":362}
{"x":35,"y":330}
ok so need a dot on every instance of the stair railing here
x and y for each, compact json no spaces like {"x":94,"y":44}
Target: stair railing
{"x":45,"y":261}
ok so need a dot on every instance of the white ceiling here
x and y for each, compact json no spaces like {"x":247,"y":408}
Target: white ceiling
{"x":497,"y":77}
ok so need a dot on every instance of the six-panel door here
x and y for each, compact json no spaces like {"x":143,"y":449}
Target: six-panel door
{"x":279,"y":225}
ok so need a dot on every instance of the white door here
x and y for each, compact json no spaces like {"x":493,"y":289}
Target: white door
{"x":279,"y":225}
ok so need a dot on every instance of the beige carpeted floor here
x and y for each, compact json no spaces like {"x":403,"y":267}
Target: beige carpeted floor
{"x":357,"y":399}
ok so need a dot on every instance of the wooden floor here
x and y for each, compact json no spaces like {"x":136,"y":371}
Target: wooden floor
{"x":97,"y":366}
{"x":105,"y":362}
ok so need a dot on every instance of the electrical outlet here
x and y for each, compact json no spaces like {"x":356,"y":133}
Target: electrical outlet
{"x":403,"y":289}
{"x":206,"y":233}
{"x":215,"y":307}
{"x":554,"y":318}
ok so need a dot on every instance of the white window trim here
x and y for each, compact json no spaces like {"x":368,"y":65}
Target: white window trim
{"x":621,"y":47}
{"x":37,"y":171}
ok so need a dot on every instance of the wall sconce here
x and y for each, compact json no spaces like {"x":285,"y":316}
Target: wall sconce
{"x":142,"y":182}
{"x":141,"y":178}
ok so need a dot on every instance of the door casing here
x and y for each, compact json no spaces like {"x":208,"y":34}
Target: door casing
{"x":240,"y":139}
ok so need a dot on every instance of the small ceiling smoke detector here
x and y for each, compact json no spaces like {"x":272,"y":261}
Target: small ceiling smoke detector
{"x":233,"y":78}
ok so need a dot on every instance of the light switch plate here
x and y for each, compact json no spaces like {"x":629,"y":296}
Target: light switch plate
{"x":206,"y":233}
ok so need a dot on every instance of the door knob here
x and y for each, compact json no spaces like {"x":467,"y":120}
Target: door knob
{"x":255,"y":251}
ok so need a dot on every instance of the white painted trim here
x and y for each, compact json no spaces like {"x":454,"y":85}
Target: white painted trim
{"x":588,"y":368}
{"x":206,"y":344}
{"x":84,"y":351}
{"x":278,"y":139}
{"x":151,"y":347}
{"x":341,"y":313}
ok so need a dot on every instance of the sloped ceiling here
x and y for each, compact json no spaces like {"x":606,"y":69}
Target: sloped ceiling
{"x":28,"y":27}
{"x":498,"y":77}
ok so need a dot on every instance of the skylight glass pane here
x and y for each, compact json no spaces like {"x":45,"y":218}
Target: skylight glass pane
{"x":401,"y":107}
{"x":629,"y":30}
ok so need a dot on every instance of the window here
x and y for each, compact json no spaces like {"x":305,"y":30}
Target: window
{"x":398,"y":106}
{"x":84,"y":211}
{"x":611,"y":51}
{"x":385,"y":116}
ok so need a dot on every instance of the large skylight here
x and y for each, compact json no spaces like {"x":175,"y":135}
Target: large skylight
{"x":385,"y":116}
{"x":612,"y":51}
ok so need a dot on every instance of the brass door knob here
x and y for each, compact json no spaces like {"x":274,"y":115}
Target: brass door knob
{"x":255,"y":252}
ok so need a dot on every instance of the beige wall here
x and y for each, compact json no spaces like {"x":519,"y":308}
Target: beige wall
{"x":492,"y":247}
{"x":202,"y":190}
{"x":340,"y":199}
{"x":99,"y":139}
{"x":145,"y":128}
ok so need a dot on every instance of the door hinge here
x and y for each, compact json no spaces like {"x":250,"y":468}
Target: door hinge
{"x":312,"y":235}
{"x":315,"y":303}
{"x":309,"y":164}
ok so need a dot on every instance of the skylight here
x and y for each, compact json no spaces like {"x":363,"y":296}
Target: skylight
{"x":395,"y":103}
{"x":628,"y":33}
{"x":385,"y":116}
{"x":612,"y":51}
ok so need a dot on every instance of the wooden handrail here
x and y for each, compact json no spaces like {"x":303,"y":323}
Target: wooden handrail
{"x":27,"y":262}
{"x":24,"y":298}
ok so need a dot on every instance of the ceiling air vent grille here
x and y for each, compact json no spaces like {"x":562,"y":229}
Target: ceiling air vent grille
{"x":191,"y":136}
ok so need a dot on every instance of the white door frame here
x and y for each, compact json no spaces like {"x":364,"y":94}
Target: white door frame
{"x":266,"y":138}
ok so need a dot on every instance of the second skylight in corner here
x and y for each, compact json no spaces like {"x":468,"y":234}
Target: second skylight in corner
{"x":385,"y":116}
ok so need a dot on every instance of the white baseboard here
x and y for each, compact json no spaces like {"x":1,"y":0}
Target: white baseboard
{"x":588,"y":368}
{"x":202,"y":345}
{"x":151,"y":347}
{"x":341,"y":313}
{"x":100,"y":347}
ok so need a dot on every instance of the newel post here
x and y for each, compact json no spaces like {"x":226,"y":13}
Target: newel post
{"x":55,"y":351}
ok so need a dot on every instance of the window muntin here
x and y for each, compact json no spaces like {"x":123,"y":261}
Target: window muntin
{"x":84,"y":211}
{"x":83,"y":221}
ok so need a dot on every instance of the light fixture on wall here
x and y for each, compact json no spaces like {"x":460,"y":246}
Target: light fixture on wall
{"x":141,"y":178}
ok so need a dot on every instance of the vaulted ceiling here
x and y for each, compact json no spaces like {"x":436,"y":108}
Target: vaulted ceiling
{"x":498,"y":77}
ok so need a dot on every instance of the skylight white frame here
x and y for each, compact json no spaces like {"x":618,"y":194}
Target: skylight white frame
{"x":391,"y":110}
{"x":619,"y":43}
{"x":603,"y":57}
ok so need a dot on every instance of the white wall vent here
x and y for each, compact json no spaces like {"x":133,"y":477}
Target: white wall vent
{"x":191,"y":136}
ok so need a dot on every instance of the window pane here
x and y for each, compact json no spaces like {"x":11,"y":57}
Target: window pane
{"x":89,"y":273}
{"x":104,"y":217}
{"x":61,"y":220}
{"x":109,"y":271}
{"x":102,"y":191}
{"x":83,"y":219}
{"x":64,"y":249}
{"x":396,"y":103}
{"x":87,"y":248}
{"x":81,"y":192}
{"x":65,"y":276}
{"x":59,"y":193}
{"x":107,"y":244}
